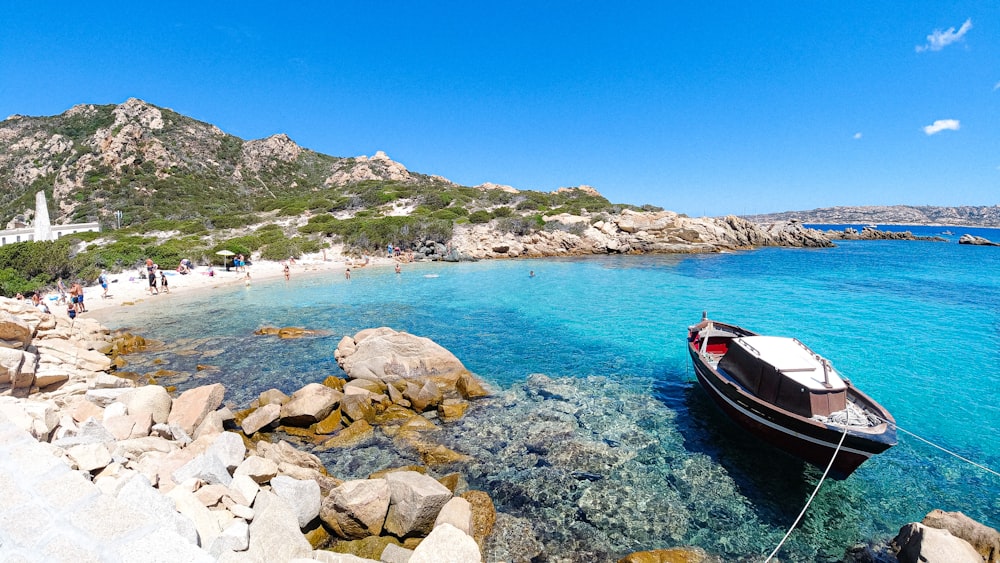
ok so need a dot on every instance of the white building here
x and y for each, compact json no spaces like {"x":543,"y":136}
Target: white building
{"x":42,"y":229}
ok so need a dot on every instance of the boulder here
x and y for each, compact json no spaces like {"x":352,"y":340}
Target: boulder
{"x":11,"y":361}
{"x":484,"y":514}
{"x":90,"y":457}
{"x":89,"y":432}
{"x":283,"y":452}
{"x":330,"y":424}
{"x":152,"y":399}
{"x":235,"y":537}
{"x":357,"y":433}
{"x":189,"y":506}
{"x":446,"y":544}
{"x":918,"y":543}
{"x":193,"y":405}
{"x":357,"y":508}
{"x":128,"y":426}
{"x":260,"y":418}
{"x":428,"y":396}
{"x":229,"y":448}
{"x":415,"y":501}
{"x":985,"y":539}
{"x":14,"y":332}
{"x":272,"y":397}
{"x":358,"y":407}
{"x":274,"y":533}
{"x":243,"y":489}
{"x":257,"y":468}
{"x":309,"y":405}
{"x":470,"y":387}
{"x":302,"y":496}
{"x":395,"y":554}
{"x":206,"y":467}
{"x":136,"y":489}
{"x":37,"y":419}
{"x":458,"y":513}
{"x":385,"y":355}
{"x":452,"y":409}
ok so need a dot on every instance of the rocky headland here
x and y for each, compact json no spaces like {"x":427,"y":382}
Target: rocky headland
{"x":631,"y":232}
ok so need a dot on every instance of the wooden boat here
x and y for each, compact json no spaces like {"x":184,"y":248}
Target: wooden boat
{"x":786,"y":394}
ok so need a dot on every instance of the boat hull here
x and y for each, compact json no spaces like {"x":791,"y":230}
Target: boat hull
{"x":808,"y":439}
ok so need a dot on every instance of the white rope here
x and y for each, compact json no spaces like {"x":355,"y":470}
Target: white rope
{"x":811,"y":497}
{"x":945,"y":450}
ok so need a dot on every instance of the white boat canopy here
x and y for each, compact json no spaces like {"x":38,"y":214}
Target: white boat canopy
{"x":794,"y":360}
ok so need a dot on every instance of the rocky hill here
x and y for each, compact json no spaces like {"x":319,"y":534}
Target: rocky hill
{"x":188,"y":182}
{"x":973,"y":216}
{"x":151,"y":162}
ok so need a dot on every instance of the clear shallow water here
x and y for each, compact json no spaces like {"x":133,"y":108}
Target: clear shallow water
{"x":914,"y":324}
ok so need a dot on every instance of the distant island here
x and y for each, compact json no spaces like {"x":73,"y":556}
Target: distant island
{"x":968,"y":215}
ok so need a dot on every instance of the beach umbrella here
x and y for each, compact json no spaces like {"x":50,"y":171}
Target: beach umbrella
{"x":225,"y":254}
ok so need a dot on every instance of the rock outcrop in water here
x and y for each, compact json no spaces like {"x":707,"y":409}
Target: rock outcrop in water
{"x":976,"y":241}
{"x":869,"y":233}
{"x":947,"y":537}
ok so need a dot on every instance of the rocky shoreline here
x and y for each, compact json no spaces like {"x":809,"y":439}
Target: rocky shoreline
{"x":224,"y":486}
{"x":629,"y":232}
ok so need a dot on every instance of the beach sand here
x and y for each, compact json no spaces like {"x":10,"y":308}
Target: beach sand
{"x":127,"y":288}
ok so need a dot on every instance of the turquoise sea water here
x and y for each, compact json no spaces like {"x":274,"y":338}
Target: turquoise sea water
{"x":914,"y":324}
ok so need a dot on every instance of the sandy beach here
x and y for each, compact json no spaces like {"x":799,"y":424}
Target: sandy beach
{"x":127,"y":288}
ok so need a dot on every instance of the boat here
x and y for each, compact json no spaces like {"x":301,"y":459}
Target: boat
{"x":789,"y":396}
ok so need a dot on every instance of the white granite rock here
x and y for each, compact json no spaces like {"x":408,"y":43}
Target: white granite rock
{"x":416,"y":500}
{"x":229,"y":448}
{"x":302,"y":496}
{"x":446,"y":544}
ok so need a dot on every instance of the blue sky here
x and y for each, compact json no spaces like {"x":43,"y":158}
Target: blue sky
{"x":705,"y":108}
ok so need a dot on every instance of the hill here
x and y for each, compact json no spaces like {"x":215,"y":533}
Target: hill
{"x":973,"y":216}
{"x":163,"y":170}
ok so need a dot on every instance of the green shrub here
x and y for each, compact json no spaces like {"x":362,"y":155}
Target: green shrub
{"x":233,"y":221}
{"x":480,"y":216}
{"x":517,"y":225}
{"x":289,"y":248}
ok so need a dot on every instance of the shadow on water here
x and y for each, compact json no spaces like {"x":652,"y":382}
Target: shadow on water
{"x":775,"y":482}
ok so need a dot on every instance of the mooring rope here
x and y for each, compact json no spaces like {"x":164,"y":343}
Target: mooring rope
{"x":942,"y":448}
{"x":811,"y":497}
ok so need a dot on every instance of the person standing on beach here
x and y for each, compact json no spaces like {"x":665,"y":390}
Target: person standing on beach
{"x":347,"y":274}
{"x":152,"y":281}
{"x":76,"y":296}
{"x":163,"y":282}
{"x":287,"y":272}
{"x":103,"y":280}
{"x":62,"y":291}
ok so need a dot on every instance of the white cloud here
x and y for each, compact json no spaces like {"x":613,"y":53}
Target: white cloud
{"x":941,"y":39}
{"x":942,"y":125}
{"x":857,"y":135}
